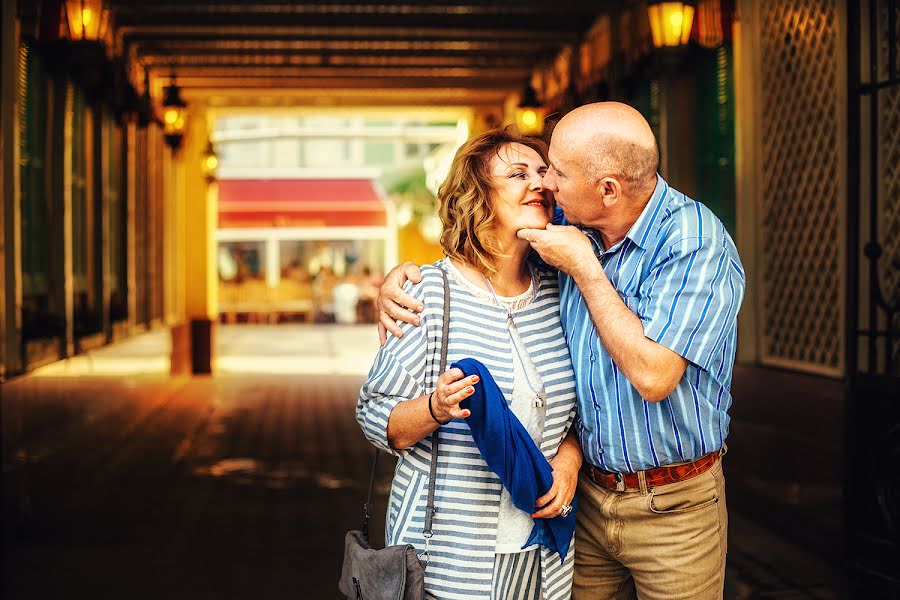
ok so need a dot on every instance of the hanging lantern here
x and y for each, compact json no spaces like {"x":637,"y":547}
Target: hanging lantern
{"x":714,"y":22}
{"x":210,"y":162}
{"x":670,"y":22}
{"x":87,"y":20}
{"x":530,"y":114}
{"x":174,"y":113}
{"x":81,"y":50}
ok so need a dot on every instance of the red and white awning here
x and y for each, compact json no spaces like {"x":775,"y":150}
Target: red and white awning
{"x":255,"y":203}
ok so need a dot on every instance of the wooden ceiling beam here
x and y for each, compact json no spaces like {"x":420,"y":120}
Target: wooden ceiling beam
{"x":503,"y":78}
{"x":181,"y":61}
{"x":219,"y":95}
{"x":510,"y":50}
{"x":338,"y":47}
{"x":229,"y":78}
{"x":137,"y":8}
{"x":362,"y":33}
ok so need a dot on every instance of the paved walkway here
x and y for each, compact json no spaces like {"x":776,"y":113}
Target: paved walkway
{"x":120,"y":482}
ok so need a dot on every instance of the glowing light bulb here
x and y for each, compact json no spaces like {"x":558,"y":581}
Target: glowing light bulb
{"x":675,"y":21}
{"x":529,"y":118}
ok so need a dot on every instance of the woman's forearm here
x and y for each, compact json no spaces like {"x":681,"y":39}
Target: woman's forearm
{"x":570,"y":451}
{"x":409,"y":422}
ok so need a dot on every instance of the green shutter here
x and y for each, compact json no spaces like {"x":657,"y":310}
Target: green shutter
{"x":714,"y":120}
{"x":80,"y":234}
{"x":32,"y":109}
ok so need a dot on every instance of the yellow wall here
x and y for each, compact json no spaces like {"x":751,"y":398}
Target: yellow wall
{"x":412,"y":246}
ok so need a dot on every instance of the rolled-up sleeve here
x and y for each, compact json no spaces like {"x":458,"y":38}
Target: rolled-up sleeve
{"x":692,"y":299}
{"x":397,"y":374}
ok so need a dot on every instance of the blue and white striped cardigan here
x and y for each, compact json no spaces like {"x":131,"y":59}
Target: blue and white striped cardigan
{"x":467,"y":492}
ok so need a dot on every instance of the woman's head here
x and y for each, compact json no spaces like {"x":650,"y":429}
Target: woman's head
{"x":493,"y":189}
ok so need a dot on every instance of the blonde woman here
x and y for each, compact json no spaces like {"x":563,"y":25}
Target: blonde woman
{"x":504,"y":312}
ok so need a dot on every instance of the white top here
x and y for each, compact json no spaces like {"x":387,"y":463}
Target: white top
{"x":514,"y":525}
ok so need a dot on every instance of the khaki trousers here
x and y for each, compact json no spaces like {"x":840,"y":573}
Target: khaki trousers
{"x":664,"y":542}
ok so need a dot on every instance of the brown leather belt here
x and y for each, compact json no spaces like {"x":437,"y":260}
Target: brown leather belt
{"x":652,"y":477}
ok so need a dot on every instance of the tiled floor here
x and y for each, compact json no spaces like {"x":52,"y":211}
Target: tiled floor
{"x":119,"y":482}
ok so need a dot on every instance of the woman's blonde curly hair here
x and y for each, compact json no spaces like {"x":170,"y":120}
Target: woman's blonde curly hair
{"x":464,"y":199}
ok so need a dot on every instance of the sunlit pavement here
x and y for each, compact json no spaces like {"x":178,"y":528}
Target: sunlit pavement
{"x":121,"y":482}
{"x":246,"y":349}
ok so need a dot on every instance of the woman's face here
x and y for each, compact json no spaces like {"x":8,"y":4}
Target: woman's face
{"x":519,"y":198}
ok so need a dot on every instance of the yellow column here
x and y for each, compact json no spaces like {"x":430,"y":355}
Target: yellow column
{"x":193,"y":339}
{"x":199,"y":224}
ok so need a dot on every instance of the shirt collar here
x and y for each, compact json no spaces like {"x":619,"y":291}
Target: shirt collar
{"x":642,"y":230}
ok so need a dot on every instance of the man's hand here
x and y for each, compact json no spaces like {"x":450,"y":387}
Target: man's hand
{"x":392,"y":301}
{"x":562,"y":246}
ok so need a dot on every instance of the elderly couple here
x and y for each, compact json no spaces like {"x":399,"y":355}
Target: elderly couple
{"x":614,"y":349}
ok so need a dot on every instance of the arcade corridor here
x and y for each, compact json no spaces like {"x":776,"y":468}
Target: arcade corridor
{"x":174,"y":174}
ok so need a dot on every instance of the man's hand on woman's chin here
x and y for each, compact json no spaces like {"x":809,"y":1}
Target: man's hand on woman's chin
{"x":396,"y":305}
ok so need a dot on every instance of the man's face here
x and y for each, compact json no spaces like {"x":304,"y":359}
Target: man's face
{"x":573,"y":189}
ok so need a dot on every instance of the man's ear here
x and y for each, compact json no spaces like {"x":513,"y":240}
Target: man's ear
{"x":610,"y":191}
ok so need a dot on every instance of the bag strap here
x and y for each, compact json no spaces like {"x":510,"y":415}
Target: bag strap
{"x":428,"y":533}
{"x":367,"y":507}
{"x":429,"y":509}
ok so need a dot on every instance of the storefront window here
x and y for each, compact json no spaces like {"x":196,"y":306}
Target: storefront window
{"x":37,"y":323}
{"x":117,"y":222}
{"x":84,"y":251}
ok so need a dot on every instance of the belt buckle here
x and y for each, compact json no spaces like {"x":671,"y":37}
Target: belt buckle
{"x":620,"y":482}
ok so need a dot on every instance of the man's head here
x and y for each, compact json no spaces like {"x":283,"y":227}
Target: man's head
{"x":603,"y":163}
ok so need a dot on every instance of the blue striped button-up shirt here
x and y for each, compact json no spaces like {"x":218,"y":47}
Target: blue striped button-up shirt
{"x":678,"y":270}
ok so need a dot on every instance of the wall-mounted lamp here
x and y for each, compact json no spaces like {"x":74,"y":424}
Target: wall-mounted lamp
{"x":670,"y":22}
{"x":174,"y":114}
{"x":210,"y":162}
{"x":146,"y":112}
{"x":530,"y":114}
{"x":87,"y":20}
{"x":81,"y":50}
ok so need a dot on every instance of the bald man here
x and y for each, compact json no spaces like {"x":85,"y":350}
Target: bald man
{"x":650,"y":287}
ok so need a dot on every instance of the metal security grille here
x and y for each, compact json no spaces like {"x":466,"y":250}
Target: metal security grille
{"x":801,"y":199}
{"x":889,"y":172}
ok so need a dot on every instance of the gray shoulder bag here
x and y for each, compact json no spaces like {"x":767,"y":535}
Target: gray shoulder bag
{"x":395,"y":572}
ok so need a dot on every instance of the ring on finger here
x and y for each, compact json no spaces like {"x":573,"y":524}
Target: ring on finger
{"x":565,"y":510}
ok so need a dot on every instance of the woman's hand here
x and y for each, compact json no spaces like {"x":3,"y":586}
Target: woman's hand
{"x":452,"y":388}
{"x":392,"y":301}
{"x":566,"y":465}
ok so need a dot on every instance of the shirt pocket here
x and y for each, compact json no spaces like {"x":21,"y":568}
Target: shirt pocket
{"x":406,"y":517}
{"x":632,"y":302}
